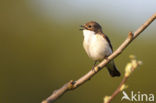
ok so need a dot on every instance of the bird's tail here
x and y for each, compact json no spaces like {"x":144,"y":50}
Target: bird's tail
{"x":113,"y":71}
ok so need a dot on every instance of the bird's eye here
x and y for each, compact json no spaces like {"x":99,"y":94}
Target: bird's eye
{"x":89,"y":26}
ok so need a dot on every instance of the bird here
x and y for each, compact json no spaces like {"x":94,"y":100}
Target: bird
{"x":98,"y":46}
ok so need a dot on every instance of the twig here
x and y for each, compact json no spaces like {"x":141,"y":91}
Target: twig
{"x":74,"y":84}
{"x":128,"y":70}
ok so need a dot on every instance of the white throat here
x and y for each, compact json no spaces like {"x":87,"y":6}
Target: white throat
{"x":88,"y":35}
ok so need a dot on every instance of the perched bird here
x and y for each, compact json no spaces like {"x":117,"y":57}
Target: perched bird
{"x":98,"y":46}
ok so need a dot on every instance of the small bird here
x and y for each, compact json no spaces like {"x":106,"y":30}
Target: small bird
{"x":98,"y":46}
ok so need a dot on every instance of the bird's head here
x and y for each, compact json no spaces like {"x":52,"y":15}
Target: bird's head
{"x":92,"y":26}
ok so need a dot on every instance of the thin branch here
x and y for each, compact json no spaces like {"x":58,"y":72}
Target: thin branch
{"x":128,"y":70}
{"x":74,"y":84}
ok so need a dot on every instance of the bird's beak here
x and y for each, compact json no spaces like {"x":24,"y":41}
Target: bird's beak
{"x":82,"y":27}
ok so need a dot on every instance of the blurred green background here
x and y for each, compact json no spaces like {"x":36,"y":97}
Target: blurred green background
{"x":41,"y":48}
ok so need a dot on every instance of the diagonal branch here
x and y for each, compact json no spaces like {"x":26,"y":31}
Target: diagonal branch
{"x":74,"y":84}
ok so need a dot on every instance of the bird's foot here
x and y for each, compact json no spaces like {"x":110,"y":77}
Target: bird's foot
{"x":93,"y":68}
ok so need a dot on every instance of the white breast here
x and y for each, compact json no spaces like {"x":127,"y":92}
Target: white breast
{"x":96,"y":46}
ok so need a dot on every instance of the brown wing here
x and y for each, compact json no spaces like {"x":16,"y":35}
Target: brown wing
{"x":107,"y":40}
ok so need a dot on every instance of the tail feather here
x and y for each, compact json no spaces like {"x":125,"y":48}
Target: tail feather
{"x":113,"y":71}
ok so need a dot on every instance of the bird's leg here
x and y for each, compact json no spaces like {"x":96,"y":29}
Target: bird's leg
{"x":106,"y":58}
{"x":94,"y":65}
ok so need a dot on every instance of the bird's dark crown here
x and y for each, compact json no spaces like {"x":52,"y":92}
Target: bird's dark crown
{"x":92,"y":26}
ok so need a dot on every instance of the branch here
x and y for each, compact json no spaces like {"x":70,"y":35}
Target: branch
{"x":74,"y":84}
{"x":130,"y":67}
